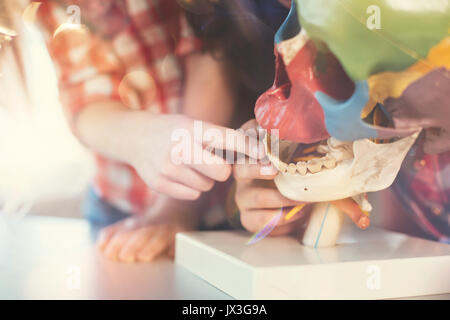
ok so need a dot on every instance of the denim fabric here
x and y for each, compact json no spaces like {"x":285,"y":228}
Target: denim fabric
{"x":100,"y":213}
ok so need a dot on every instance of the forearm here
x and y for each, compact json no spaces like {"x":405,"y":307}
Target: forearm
{"x":111,"y":129}
{"x":208,"y":94}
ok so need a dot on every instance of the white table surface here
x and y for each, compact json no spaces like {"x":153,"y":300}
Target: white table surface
{"x":54,"y":258}
{"x":281,"y":268}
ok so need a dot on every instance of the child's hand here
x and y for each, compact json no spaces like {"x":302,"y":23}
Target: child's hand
{"x":169,"y":152}
{"x":128,"y":241}
{"x":259,"y":200}
{"x":140,"y":239}
{"x":170,"y":157}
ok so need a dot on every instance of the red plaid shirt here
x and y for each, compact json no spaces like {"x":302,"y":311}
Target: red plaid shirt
{"x":423,"y":187}
{"x":145,"y":39}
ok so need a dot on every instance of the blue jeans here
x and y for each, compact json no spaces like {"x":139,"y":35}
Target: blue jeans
{"x":99,"y":212}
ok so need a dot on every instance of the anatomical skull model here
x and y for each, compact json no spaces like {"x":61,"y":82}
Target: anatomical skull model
{"x":334,"y":74}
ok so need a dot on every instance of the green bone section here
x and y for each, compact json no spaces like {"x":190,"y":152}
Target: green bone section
{"x":408,"y":30}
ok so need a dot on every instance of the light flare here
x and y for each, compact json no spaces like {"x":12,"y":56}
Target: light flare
{"x":267,"y":229}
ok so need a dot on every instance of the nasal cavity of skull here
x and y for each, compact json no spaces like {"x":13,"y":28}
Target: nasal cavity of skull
{"x":282,"y":85}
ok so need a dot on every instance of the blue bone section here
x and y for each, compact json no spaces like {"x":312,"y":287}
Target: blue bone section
{"x":343,"y":118}
{"x":290,"y":27}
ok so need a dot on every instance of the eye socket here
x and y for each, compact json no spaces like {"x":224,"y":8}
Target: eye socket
{"x":378,"y":116}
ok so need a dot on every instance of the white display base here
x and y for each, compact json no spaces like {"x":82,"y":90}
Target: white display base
{"x":371,"y":264}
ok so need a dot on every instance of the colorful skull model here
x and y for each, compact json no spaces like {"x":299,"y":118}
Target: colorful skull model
{"x":334,"y":75}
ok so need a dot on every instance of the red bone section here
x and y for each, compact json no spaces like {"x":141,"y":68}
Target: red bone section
{"x":290,"y":105}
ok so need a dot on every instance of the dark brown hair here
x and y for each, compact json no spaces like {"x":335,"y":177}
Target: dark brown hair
{"x":231,"y":31}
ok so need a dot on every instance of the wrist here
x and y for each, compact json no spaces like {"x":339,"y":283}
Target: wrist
{"x":112,"y":130}
{"x":131,"y":134}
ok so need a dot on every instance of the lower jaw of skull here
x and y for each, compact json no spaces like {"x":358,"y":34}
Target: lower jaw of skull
{"x":311,"y":172}
{"x":330,"y":170}
{"x":322,"y":171}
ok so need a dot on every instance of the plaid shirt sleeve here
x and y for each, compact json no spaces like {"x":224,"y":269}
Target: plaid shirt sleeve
{"x":117,"y":40}
{"x":87,"y":67}
{"x":93,"y":59}
{"x":423,"y":188}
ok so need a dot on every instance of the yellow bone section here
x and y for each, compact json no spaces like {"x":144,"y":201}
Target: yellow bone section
{"x":310,"y":149}
{"x":294,"y":211}
{"x":306,"y":158}
{"x":392,"y":84}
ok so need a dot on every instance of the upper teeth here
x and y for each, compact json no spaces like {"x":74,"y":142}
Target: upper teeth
{"x":292,"y":168}
{"x":311,"y":166}
{"x":329,"y":163}
{"x":314,"y":165}
{"x":335,"y":151}
{"x":302,"y":168}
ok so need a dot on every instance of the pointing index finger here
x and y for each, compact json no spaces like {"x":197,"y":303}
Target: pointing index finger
{"x":233,"y":140}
